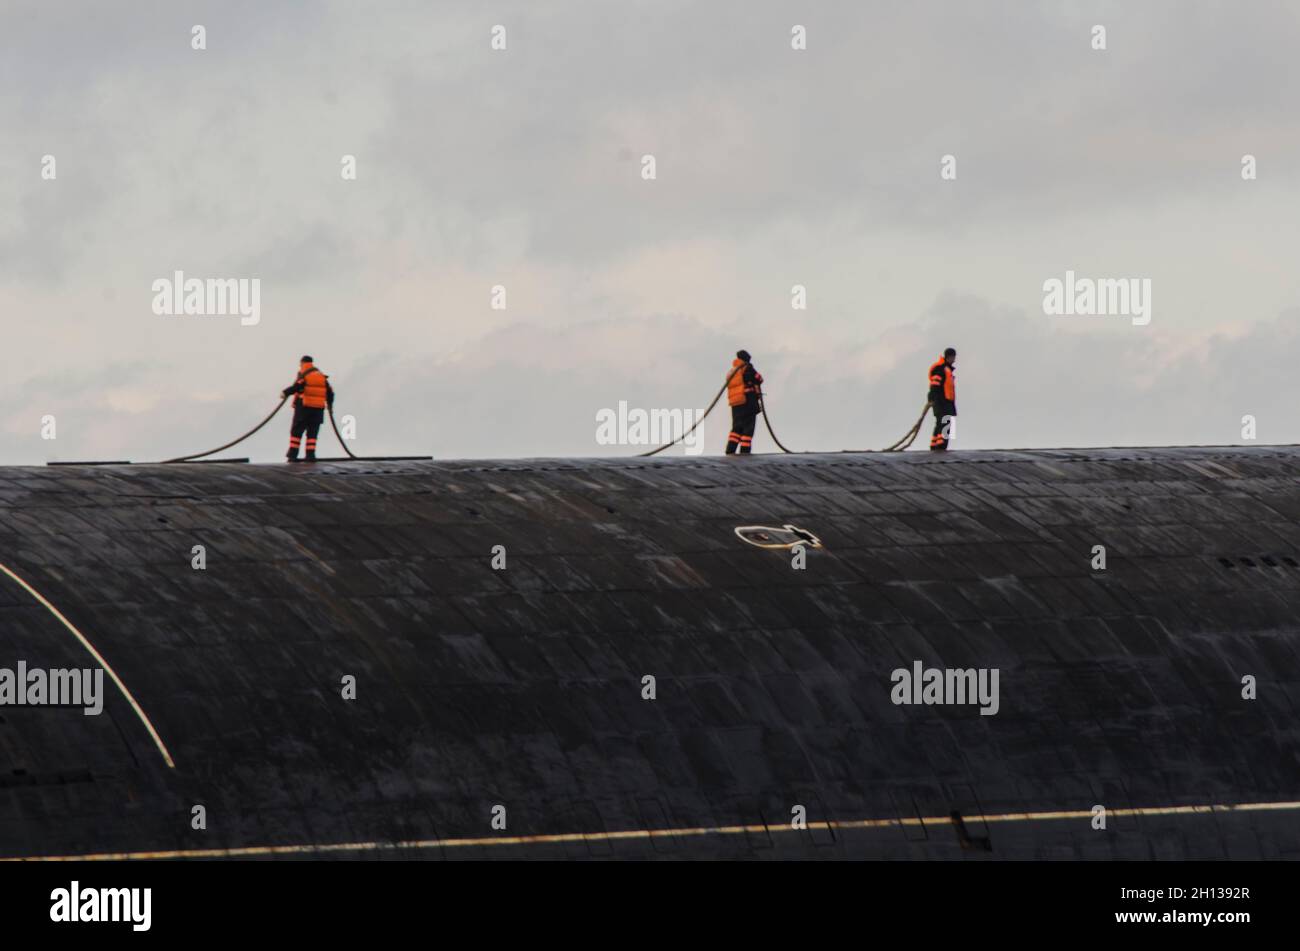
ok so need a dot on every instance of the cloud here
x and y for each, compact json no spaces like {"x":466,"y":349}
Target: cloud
{"x":521,"y":168}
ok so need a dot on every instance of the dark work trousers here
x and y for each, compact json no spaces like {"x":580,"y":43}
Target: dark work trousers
{"x":743,"y":419}
{"x":305,"y":420}
{"x":942,"y":408}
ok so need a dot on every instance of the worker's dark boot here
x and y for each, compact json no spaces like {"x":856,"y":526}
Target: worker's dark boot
{"x":291,"y":456}
{"x":311,"y":457}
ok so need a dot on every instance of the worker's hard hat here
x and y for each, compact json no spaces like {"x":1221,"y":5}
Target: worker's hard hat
{"x":307,"y":359}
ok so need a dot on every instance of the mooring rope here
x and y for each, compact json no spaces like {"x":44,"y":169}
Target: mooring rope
{"x":907,"y":439}
{"x":270,"y":416}
{"x":235,"y":442}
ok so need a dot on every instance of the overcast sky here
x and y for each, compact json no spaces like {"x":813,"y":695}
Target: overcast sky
{"x":523,"y":168}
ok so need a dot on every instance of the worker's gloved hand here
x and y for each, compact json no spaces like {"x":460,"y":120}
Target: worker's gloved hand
{"x":286,"y":391}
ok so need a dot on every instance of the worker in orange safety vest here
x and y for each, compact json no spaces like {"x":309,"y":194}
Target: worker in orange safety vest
{"x":744,"y":386}
{"x":942,"y":396}
{"x":313,"y":395}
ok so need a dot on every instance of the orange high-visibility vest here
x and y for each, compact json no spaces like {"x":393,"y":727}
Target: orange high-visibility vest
{"x":942,"y":375}
{"x":737,"y":389}
{"x":315,"y":390}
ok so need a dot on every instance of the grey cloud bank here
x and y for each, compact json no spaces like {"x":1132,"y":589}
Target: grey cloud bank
{"x":520,"y":168}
